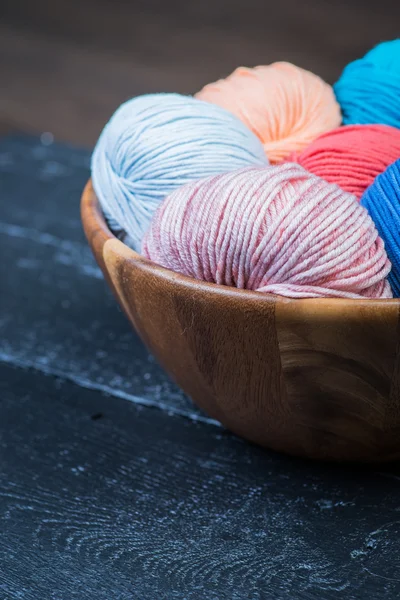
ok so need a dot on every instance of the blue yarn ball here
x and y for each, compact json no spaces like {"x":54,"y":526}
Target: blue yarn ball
{"x":382,"y":200}
{"x":156,"y":143}
{"x":368,"y":90}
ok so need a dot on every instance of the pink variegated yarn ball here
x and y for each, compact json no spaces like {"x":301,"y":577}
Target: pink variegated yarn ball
{"x":276,"y":229}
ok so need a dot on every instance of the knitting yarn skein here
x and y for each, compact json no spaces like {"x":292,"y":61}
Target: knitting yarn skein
{"x":382,"y":200}
{"x":275,"y":229}
{"x":285,"y":106}
{"x":352,"y":156}
{"x":155,"y":143}
{"x":368,"y":90}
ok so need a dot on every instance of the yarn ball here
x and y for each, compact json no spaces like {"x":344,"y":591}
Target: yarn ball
{"x":368,"y":90}
{"x":352,"y":156}
{"x":276,"y":229}
{"x":382,"y":201}
{"x":154,"y":144}
{"x":285,"y":106}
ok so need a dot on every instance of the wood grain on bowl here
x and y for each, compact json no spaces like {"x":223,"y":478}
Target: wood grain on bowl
{"x":316,"y":377}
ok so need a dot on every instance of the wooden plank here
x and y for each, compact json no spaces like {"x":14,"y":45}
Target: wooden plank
{"x":56,"y":312}
{"x":101,"y":498}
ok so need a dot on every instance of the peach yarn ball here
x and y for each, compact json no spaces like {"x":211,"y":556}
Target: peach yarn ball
{"x":285,"y":106}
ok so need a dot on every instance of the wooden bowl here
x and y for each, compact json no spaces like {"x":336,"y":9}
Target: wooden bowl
{"x":316,"y":378}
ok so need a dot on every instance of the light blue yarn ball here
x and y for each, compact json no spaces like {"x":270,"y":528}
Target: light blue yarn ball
{"x":156,"y":143}
{"x":368,"y":90}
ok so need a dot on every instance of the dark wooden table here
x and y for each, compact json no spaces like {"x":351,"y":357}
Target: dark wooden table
{"x":112,"y":486}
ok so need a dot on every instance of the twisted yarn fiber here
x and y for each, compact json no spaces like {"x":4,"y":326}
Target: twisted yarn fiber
{"x":382,"y":200}
{"x":352,"y":156}
{"x":274,"y":229}
{"x":368,"y":90}
{"x":154,"y":144}
{"x":285,"y":106}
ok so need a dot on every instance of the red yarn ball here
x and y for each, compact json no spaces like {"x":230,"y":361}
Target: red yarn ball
{"x":352,"y":156}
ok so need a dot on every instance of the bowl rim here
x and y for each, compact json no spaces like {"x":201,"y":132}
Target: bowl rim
{"x":95,"y":224}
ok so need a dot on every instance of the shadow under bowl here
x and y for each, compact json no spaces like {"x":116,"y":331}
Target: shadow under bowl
{"x":317,"y":378}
